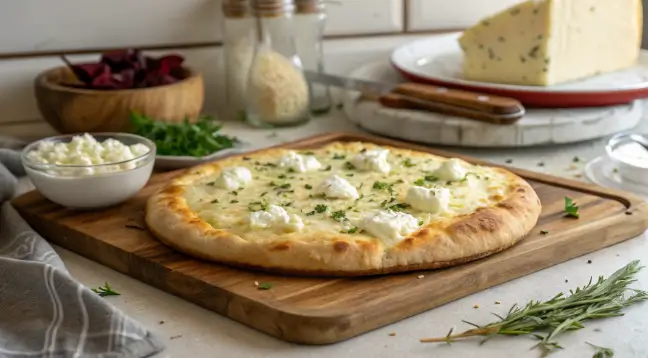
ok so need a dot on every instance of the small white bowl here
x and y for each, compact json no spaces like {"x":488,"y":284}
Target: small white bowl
{"x":59,"y":184}
{"x":630,"y":158}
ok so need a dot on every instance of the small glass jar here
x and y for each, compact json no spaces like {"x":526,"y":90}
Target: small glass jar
{"x":310,"y":20}
{"x":238,"y":51}
{"x":277,"y":91}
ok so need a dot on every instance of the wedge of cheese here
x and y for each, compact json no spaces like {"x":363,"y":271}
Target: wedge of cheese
{"x":546,"y":42}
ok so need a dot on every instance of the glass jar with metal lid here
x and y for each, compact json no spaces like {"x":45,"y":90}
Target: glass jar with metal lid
{"x":238,"y":49}
{"x":277,"y":92}
{"x":310,"y":21}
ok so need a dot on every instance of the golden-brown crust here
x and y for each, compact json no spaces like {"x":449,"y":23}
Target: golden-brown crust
{"x":442,"y":243}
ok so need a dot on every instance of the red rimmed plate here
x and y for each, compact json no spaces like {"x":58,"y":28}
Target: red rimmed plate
{"x":438,"y":60}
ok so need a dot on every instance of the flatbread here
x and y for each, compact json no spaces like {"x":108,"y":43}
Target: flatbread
{"x":488,"y":210}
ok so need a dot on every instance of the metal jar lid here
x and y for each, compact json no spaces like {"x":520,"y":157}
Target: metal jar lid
{"x":236,"y":8}
{"x":309,"y":6}
{"x":272,"y":7}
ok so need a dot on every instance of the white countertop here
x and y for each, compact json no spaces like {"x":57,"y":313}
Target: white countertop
{"x":191,"y":331}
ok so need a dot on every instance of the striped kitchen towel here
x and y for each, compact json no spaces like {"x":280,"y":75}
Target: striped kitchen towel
{"x":44,"y":312}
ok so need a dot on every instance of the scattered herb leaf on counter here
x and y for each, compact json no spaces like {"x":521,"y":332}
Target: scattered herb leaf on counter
{"x":106,"y":290}
{"x":571,"y":208}
{"x":604,"y":298}
{"x":265,"y":286}
{"x":601,"y":352}
{"x":186,"y":139}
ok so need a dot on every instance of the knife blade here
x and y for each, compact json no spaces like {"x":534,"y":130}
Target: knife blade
{"x":409,"y":95}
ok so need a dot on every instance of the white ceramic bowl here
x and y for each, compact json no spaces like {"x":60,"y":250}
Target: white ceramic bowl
{"x":630,"y":158}
{"x":102,"y":189}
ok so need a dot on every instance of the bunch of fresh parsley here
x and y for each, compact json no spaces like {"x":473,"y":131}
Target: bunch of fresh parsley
{"x":187,"y":139}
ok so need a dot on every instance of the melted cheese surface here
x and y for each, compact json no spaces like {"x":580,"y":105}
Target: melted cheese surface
{"x":299,"y":194}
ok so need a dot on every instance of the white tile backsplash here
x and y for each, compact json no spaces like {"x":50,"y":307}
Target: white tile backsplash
{"x":455,"y":14}
{"x":46,"y":25}
{"x":352,"y":17}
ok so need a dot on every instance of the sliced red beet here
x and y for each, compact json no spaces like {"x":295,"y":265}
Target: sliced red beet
{"x":122,"y":59}
{"x":125,"y":69}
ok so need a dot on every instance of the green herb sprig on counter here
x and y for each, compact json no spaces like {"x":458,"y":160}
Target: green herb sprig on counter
{"x":601,"y":352}
{"x":184,"y":138}
{"x":106,"y":290}
{"x":605,"y":298}
{"x":571,"y":208}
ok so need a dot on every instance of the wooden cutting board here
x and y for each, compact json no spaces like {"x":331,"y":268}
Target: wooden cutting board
{"x":327,"y":310}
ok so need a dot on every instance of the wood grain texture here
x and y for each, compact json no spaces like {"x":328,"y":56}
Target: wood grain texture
{"x":327,"y":310}
{"x":75,"y":110}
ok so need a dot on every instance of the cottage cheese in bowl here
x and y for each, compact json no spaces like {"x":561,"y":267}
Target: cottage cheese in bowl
{"x":86,"y":171}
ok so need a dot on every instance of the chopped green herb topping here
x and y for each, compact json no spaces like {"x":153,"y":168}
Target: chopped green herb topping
{"x":339,"y":156}
{"x":349,"y":166}
{"x":352,"y":230}
{"x":215,"y":201}
{"x":308,"y":186}
{"x":419,"y":182}
{"x":399,"y":207}
{"x":320,"y":208}
{"x":339,"y":215}
{"x":234,"y":201}
{"x":257,"y":206}
{"x":380,"y":185}
{"x":408,"y":163}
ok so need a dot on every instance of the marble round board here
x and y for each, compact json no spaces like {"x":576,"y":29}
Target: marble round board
{"x":538,"y":127}
{"x":438,"y":60}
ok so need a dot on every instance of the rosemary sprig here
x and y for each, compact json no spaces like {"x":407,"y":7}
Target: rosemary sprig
{"x":601,"y":352}
{"x":605,"y":298}
{"x":104,"y":291}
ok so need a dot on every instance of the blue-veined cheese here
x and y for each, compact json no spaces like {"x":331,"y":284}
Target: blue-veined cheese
{"x":546,"y":42}
{"x":234,"y":178}
{"x":430,"y":200}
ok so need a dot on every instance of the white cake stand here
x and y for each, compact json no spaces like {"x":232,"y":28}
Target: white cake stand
{"x":538,"y":127}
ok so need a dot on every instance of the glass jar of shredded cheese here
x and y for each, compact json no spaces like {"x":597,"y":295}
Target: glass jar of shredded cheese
{"x":310,"y":20}
{"x":277,"y":91}
{"x":238,"y":49}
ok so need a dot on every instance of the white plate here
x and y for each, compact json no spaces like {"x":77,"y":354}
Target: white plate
{"x":169,"y":162}
{"x":439,"y":59}
{"x":601,"y":171}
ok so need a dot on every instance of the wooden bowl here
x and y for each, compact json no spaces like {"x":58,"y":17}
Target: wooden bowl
{"x":76,"y":110}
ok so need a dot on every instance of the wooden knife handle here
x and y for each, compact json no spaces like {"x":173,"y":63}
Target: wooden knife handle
{"x":394,"y":100}
{"x":476,"y":101}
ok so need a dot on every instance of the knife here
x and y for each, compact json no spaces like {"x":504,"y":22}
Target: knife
{"x":410,"y":95}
